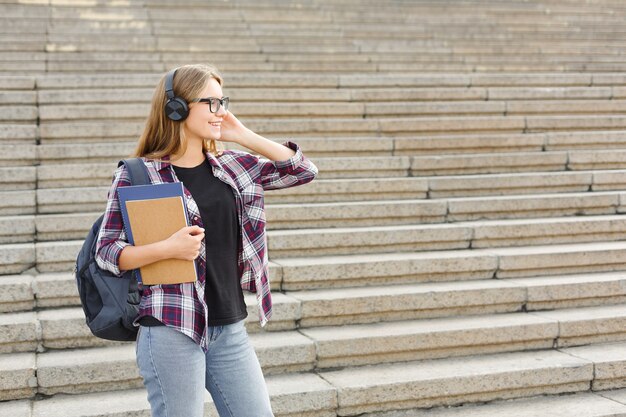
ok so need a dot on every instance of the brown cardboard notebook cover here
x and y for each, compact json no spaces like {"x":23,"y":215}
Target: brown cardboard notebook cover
{"x":154,"y":220}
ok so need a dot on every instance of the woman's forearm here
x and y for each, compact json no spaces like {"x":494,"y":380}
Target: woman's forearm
{"x":133,"y":257}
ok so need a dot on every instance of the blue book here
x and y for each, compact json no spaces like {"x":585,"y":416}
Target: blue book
{"x":152,"y":213}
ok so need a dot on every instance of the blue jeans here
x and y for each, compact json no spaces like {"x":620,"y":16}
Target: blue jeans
{"x":176,"y":372}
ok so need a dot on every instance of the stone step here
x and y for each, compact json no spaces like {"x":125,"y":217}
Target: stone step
{"x":70,"y":175}
{"x":104,"y":66}
{"x":608,"y":403}
{"x":18,"y":293}
{"x":371,"y":303}
{"x":65,"y":226}
{"x":501,"y":188}
{"x":15,"y":155}
{"x":50,"y":290}
{"x":290,"y":394}
{"x":605,"y":358}
{"x":19,"y":133}
{"x":78,"y":370}
{"x":58,"y":256}
{"x":504,"y":233}
{"x":346,"y":67}
{"x":21,"y":202}
{"x":109,"y":95}
{"x":334,"y":147}
{"x":148,"y":80}
{"x":334,"y":346}
{"x":455,"y":381}
{"x":297,"y":273}
{"x":49,"y":113}
{"x":342,"y":271}
{"x":114,"y":367}
{"x":587,"y":320}
{"x":345,"y":146}
{"x":18,"y":97}
{"x":346,"y":240}
{"x":99,"y":131}
{"x":237,"y":36}
{"x":270,"y":53}
{"x":505,"y":80}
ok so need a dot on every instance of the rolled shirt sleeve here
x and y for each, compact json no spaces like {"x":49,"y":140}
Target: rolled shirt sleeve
{"x":112,"y":236}
{"x":291,"y":172}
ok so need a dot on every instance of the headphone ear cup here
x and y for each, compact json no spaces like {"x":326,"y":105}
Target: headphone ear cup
{"x":176,"y":109}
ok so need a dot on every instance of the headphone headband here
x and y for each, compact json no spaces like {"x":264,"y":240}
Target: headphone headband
{"x":169,"y":83}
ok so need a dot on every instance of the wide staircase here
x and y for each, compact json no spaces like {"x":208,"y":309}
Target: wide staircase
{"x":461,"y":252}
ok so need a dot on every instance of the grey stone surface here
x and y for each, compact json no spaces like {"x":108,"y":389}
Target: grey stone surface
{"x":17,"y":229}
{"x":457,"y":380}
{"x":468,"y":144}
{"x":528,"y":206}
{"x":559,"y":259}
{"x":374,"y":239}
{"x":72,"y":200}
{"x":598,"y":324}
{"x":608,"y":360}
{"x":18,"y":202}
{"x":16,"y":257}
{"x":17,"y":376}
{"x":576,"y":290}
{"x":545,"y":231}
{"x":18,"y":178}
{"x":367,"y":304}
{"x":96,"y":369}
{"x":503,"y":184}
{"x":55,"y":289}
{"x":52,"y":227}
{"x":19,"y":134}
{"x":585,"y":404}
{"x":86,"y":131}
{"x":57,"y":256}
{"x":16,"y":293}
{"x":18,"y":155}
{"x":20,"y":408}
{"x":388,"y":268}
{"x":290,"y":395}
{"x":375,"y":343}
{"x":488,"y":163}
{"x":75,"y":175}
{"x":19,"y":332}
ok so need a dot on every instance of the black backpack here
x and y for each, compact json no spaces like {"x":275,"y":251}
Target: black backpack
{"x":110,"y":303}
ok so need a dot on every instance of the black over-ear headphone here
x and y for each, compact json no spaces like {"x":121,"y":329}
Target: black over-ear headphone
{"x":176,"y":108}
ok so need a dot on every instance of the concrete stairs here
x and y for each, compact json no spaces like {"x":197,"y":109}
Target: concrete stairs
{"x":463,"y":250}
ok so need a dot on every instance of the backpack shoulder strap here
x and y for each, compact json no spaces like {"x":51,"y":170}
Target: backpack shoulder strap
{"x":137,"y":170}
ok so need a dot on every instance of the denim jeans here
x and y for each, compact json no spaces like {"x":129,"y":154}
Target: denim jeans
{"x":176,"y":372}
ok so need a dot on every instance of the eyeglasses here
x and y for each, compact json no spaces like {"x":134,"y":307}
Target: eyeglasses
{"x":214,"y":103}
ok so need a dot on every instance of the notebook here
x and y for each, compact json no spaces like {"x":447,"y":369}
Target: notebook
{"x":152,"y":213}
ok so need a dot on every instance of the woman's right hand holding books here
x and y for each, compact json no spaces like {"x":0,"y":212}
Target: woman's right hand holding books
{"x":185,"y":243}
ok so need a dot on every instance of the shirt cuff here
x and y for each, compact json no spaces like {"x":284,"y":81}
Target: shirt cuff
{"x":294,"y":162}
{"x":116,"y":248}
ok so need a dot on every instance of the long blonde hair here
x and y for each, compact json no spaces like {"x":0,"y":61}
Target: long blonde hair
{"x":163,"y":136}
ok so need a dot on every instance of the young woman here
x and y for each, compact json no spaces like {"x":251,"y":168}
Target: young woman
{"x":192,"y":336}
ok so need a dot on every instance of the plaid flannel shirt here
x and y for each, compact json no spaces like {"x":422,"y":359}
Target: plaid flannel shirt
{"x":183,"y":306}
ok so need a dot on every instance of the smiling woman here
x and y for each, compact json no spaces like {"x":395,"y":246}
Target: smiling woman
{"x":192,"y":336}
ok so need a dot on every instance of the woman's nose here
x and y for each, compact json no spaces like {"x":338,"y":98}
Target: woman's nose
{"x":221,"y":111}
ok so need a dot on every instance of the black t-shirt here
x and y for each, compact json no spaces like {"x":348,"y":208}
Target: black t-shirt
{"x":218,"y":210}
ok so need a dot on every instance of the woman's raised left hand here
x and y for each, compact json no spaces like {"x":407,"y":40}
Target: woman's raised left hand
{"x":232,"y":129}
